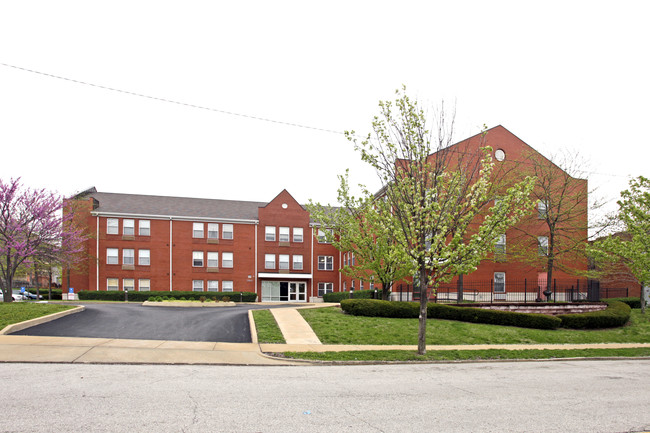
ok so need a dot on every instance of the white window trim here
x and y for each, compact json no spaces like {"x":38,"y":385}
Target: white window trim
{"x":269,"y":233}
{"x":227,"y":259}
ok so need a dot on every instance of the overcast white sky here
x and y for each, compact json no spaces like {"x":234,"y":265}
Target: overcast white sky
{"x":558,"y":75}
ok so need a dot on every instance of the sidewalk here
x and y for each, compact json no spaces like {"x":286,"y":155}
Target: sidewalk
{"x":297,"y":333}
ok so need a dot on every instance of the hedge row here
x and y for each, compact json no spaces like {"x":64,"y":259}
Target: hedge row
{"x":56,"y":293}
{"x":617,"y":314}
{"x":118,"y":295}
{"x":377,"y":308}
{"x":357,"y":294}
{"x":632,"y":302}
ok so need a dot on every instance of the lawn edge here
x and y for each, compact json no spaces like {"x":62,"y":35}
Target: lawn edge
{"x":15,"y":327}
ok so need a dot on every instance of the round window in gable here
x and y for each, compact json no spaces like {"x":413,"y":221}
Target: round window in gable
{"x":284,"y":205}
{"x":500,"y":155}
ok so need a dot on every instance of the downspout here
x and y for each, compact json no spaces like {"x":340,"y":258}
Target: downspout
{"x":170,"y":253}
{"x":255,"y":265}
{"x":96,"y":259}
{"x":340,"y":276}
{"x":312,"y":263}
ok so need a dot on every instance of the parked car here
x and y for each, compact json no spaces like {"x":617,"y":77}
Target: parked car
{"x":30,"y":295}
{"x":16,"y":295}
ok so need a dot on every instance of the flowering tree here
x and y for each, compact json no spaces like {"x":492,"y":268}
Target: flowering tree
{"x":33,"y":226}
{"x":633,"y":247}
{"x":364,"y":227}
{"x":449,"y":206}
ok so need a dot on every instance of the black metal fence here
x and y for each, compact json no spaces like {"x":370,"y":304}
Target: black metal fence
{"x":525,"y":291}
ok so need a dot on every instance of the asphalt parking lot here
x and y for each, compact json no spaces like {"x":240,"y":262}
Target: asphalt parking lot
{"x":134,"y":321}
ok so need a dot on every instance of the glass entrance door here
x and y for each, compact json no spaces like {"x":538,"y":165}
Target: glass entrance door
{"x":297,"y":292}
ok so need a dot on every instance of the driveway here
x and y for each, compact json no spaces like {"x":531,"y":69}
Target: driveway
{"x":133,"y":321}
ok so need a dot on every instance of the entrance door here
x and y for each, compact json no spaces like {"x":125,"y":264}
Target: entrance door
{"x":297,"y":292}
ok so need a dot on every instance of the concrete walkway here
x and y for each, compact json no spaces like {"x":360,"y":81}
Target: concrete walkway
{"x":295,"y":329}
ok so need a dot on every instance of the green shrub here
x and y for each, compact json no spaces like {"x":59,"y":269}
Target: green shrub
{"x":377,"y":308}
{"x":632,"y":302}
{"x":226,"y":299}
{"x":118,"y":295}
{"x":617,"y":314}
{"x":339,"y":296}
{"x":56,"y":293}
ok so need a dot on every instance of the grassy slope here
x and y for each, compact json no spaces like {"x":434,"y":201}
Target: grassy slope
{"x":14,"y":312}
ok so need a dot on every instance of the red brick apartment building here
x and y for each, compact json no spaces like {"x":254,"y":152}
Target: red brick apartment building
{"x":158,"y":243}
{"x":143,"y":243}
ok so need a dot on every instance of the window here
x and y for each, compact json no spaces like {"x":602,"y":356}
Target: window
{"x":297,"y":262}
{"x":144,"y":285}
{"x":325,"y":288}
{"x":325,"y":263}
{"x":213,"y":231}
{"x":112,"y":256}
{"x":128,"y":227}
{"x":213,"y":286}
{"x":213,"y":259}
{"x":226,"y":260}
{"x":197,"y":230}
{"x":112,"y":284}
{"x":499,"y":282}
{"x":542,"y":245}
{"x":269,"y":233}
{"x":322,"y":236}
{"x":197,"y":285}
{"x":297,"y":234}
{"x":500,"y":248}
{"x":227,"y":231}
{"x":128,"y":284}
{"x":227,"y":286}
{"x":542,"y":210}
{"x":269,"y":261}
{"x":144,"y":227}
{"x":128,"y":256}
{"x":284,"y":234}
{"x":144,"y":257}
{"x":112,"y":226}
{"x":284,"y":261}
{"x":360,"y":284}
{"x":197,"y":259}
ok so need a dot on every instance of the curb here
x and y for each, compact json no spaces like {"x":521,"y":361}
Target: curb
{"x":15,"y":327}
{"x":188,"y":304}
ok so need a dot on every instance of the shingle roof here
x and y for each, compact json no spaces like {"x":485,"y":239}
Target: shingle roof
{"x":175,"y":206}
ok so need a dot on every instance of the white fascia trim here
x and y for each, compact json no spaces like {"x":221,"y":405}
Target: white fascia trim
{"x":173,"y":217}
{"x":284,"y":276}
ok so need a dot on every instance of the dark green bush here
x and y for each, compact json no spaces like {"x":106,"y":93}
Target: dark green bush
{"x":632,"y":302}
{"x":617,"y":314}
{"x":357,"y":294}
{"x":118,"y":295}
{"x":56,"y":293}
{"x":377,"y":308}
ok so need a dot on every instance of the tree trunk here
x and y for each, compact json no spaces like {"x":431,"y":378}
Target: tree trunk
{"x":36,"y":278}
{"x":385,"y":290}
{"x":49,"y":289}
{"x":422,"y":329}
{"x":643,"y":287}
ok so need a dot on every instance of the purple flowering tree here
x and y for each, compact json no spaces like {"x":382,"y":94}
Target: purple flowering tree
{"x":33,"y":225}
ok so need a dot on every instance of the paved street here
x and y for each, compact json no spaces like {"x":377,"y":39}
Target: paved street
{"x":561,"y":396}
{"x":134,"y":321}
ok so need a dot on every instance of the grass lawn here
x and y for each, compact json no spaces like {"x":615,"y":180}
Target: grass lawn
{"x":465,"y":355}
{"x":332,"y":326}
{"x":267,"y":328}
{"x":14,"y":312}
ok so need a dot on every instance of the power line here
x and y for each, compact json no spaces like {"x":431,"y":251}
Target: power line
{"x":171,"y":101}
{"x":231,"y":113}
